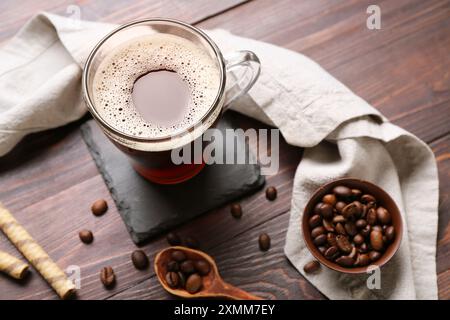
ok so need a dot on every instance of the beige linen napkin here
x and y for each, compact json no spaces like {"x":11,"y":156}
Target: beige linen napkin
{"x":343,"y":136}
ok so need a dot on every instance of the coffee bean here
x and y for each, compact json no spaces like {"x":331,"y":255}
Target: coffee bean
{"x":178,"y":255}
{"x":317,"y":208}
{"x":340,"y":206}
{"x":172,"y":279}
{"x":371,"y":216}
{"x":350,"y":228}
{"x":331,"y":252}
{"x":320,"y":240}
{"x":383,"y":216}
{"x":181,"y":280}
{"x":202,"y":267}
{"x":390,"y":233}
{"x":376,"y":240}
{"x":107,"y":277}
{"x":191,"y":242}
{"x":264,"y":241}
{"x":329,"y":199}
{"x":345,"y":261}
{"x":173,"y":266}
{"x":193,"y":283}
{"x":367,"y":198}
{"x":86,"y":236}
{"x":139,"y":259}
{"x":315,"y":221}
{"x":311,"y":266}
{"x":338,"y":219}
{"x":271,"y":193}
{"x":99,"y":207}
{"x":362,"y":260}
{"x":317,"y":231}
{"x":374,"y":255}
{"x":361,"y":223}
{"x":342,"y":191}
{"x":173,"y":239}
{"x":340,"y":229}
{"x":356,"y":193}
{"x":358,"y":239}
{"x":364,"y":211}
{"x":187,"y":267}
{"x":343,"y":244}
{"x":326,"y":211}
{"x":236,"y":210}
{"x":352,"y":211}
{"x":331,"y":239}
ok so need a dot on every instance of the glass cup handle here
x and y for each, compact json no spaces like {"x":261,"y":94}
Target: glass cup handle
{"x":239,"y":84}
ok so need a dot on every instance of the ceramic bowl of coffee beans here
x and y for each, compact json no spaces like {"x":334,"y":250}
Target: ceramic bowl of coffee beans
{"x":349,"y":224}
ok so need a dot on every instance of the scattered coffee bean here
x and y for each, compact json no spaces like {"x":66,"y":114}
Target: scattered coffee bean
{"x":191,"y":242}
{"x":383,"y":216}
{"x":187,"y":267}
{"x":331,"y":252}
{"x":264,"y":242}
{"x":329,"y":199}
{"x":271,"y":193}
{"x":86,"y":236}
{"x":342,"y":192}
{"x":390,"y":233}
{"x":376,"y":240}
{"x":173,"y":266}
{"x":193,"y":283}
{"x":178,"y":255}
{"x":202,"y":267}
{"x":172,"y":279}
{"x":173,"y":239}
{"x":99,"y":207}
{"x":345,"y":261}
{"x":340,"y":206}
{"x":315,"y":221}
{"x":331,"y":239}
{"x":107,"y":277}
{"x":320,"y":240}
{"x":343,"y":244}
{"x":139,"y":259}
{"x":236,"y":210}
{"x":352,"y":211}
{"x":326,"y":211}
{"x":311,"y":266}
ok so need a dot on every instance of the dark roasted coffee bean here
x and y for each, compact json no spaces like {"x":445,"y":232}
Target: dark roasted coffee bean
{"x":317,"y":231}
{"x":338,"y":219}
{"x":340,"y":229}
{"x":173,"y":266}
{"x":236,"y":210}
{"x":181,"y":279}
{"x":328,"y":226}
{"x":187,"y":267}
{"x":329,"y":199}
{"x":139,"y":259}
{"x":339,"y":206}
{"x":390,"y":233}
{"x":358,"y":239}
{"x":352,"y":211}
{"x":343,"y":244}
{"x":361,"y":223}
{"x":315,"y":221}
{"x":383,"y":216}
{"x":371,"y":216}
{"x":178,"y":255}
{"x":367,"y":198}
{"x":364,"y":211}
{"x":374,"y":255}
{"x":376,"y":240}
{"x":317,"y":208}
{"x":271,"y":193}
{"x":356,"y":194}
{"x":191,"y":242}
{"x":173,"y":239}
{"x":202,"y":267}
{"x":350,"y":228}
{"x":331,"y":252}
{"x":365,"y":232}
{"x":320,"y":240}
{"x":362,"y":260}
{"x":363,"y":248}
{"x":99,"y":207}
{"x":86,"y":236}
{"x":311,"y":266}
{"x":345,"y":261}
{"x":342,"y":192}
{"x":331,"y":239}
{"x":326,"y":211}
{"x":172,"y":279}
{"x":107,"y":277}
{"x":193,"y":283}
{"x":264,"y":241}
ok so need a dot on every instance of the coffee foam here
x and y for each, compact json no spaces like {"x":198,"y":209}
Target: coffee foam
{"x":115,"y":77}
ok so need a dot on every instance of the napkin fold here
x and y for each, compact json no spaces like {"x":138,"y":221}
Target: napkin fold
{"x":40,"y":75}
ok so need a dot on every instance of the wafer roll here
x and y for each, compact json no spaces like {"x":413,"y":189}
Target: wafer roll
{"x":35,"y":254}
{"x":12,"y":266}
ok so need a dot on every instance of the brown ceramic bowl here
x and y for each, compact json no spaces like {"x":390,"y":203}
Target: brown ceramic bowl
{"x":383,"y":199}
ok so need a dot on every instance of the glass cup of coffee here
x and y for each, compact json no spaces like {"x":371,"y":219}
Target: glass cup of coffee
{"x":156,"y":85}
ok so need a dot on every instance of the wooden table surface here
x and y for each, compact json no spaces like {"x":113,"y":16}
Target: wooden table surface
{"x":49,"y":180}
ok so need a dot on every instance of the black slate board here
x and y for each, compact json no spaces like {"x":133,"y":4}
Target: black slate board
{"x":149,"y":209}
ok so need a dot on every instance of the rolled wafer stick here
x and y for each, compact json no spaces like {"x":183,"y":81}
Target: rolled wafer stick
{"x":35,"y":254}
{"x":12,"y":266}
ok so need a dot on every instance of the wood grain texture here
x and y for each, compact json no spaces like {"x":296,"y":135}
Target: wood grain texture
{"x":50,"y":180}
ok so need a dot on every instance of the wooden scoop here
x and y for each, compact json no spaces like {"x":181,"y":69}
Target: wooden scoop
{"x":213,"y":284}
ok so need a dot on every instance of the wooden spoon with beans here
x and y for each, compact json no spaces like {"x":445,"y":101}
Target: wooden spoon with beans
{"x":213,"y":285}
